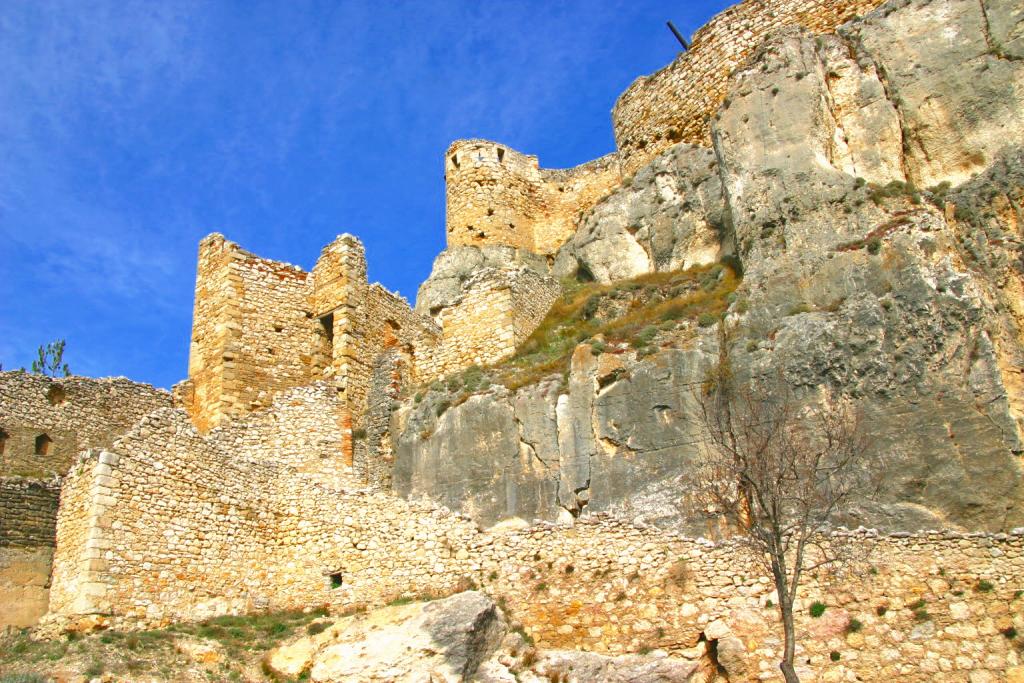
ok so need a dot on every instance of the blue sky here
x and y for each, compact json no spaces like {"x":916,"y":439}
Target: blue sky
{"x":128,"y":130}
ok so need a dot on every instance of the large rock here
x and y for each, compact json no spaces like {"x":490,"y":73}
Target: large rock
{"x":583,"y":667}
{"x":669,"y":216}
{"x":454,"y":266}
{"x":445,"y":640}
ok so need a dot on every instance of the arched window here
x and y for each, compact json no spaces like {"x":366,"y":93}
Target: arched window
{"x":43,"y":444}
{"x":3,"y":441}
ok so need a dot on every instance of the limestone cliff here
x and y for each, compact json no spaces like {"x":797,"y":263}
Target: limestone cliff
{"x":870,"y":183}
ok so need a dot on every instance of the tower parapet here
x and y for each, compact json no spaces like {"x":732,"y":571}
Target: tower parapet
{"x":498,"y":196}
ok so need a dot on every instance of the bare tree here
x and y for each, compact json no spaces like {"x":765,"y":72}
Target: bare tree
{"x":779,"y":470}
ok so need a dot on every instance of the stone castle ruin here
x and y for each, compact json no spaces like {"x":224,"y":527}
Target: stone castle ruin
{"x":265,"y":480}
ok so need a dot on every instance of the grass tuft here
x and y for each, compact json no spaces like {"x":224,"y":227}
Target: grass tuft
{"x":625,"y":312}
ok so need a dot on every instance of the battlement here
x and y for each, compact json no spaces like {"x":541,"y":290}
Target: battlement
{"x":497,"y":195}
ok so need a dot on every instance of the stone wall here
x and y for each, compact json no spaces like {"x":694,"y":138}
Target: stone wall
{"x":252,"y":335}
{"x":374,"y":451}
{"x":498,"y":310}
{"x":74,"y":412}
{"x":28,"y":512}
{"x":28,"y":517}
{"x":203,"y":510}
{"x":262,"y":327}
{"x":147,"y":536}
{"x":44,"y":423}
{"x":613,"y":587}
{"x":498,"y":196}
{"x":676,"y":103}
{"x":181,"y":528}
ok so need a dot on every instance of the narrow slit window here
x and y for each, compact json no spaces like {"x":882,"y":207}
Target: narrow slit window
{"x":501,"y":155}
{"x":335,"y":578}
{"x":455,"y":160}
{"x":328,"y":324}
{"x":43,"y":444}
{"x":3,"y":441}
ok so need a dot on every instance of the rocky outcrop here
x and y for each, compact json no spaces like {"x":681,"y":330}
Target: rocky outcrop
{"x":454,"y":266}
{"x":460,"y":638}
{"x":618,"y":441}
{"x":870,"y":184}
{"x":444,"y":640}
{"x":670,"y":215}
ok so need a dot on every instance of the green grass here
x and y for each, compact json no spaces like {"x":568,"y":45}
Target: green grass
{"x":699,"y":295}
{"x":133,"y":655}
{"x":403,"y":600}
{"x":817,"y":609}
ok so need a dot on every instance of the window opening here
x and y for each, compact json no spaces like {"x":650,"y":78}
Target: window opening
{"x":328,"y":324}
{"x":43,"y":444}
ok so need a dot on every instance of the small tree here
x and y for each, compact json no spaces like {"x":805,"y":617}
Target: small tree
{"x":51,"y":360}
{"x":778,"y":470}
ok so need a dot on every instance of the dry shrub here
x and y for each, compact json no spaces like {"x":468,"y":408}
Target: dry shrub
{"x":679,"y":573}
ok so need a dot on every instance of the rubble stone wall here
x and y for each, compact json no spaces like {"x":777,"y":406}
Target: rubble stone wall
{"x":676,"y":103}
{"x":179,"y":529}
{"x":262,"y":327}
{"x":28,"y":512}
{"x":374,"y":453}
{"x":499,"y":309}
{"x":24,"y":585}
{"x":496,"y":195}
{"x":44,"y":423}
{"x":182,"y":518}
{"x":252,"y":336}
{"x":75,"y":412}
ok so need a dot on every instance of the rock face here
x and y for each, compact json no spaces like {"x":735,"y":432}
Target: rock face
{"x":669,"y":216}
{"x":460,"y":638}
{"x":445,"y":640}
{"x":455,"y":265}
{"x":617,"y":442}
{"x":870,"y":183}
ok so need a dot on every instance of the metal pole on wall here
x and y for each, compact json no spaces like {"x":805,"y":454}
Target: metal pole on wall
{"x":678,"y":35}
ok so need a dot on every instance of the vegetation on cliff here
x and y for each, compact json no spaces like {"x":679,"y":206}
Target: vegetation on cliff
{"x":636,"y":312}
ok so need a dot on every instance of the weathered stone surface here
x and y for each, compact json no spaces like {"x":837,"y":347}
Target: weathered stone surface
{"x":578,"y":667}
{"x":620,"y":448}
{"x":444,"y":640}
{"x":955,"y":83}
{"x":910,"y":305}
{"x":669,"y":216}
{"x":454,"y":266}
{"x":466,"y":627}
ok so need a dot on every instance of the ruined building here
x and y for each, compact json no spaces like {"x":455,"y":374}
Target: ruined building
{"x":292,"y":470}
